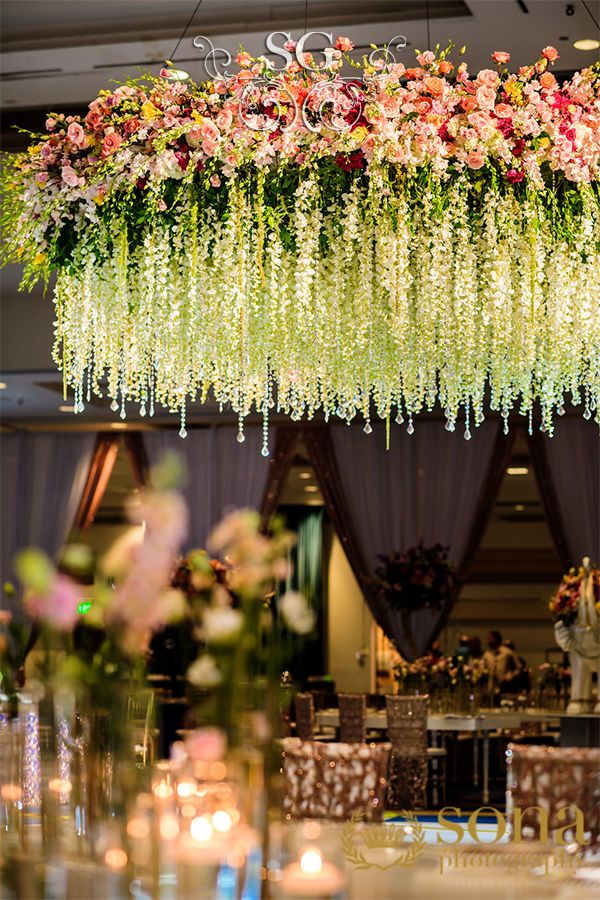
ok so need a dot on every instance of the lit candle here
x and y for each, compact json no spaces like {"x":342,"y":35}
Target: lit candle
{"x":311,"y":876}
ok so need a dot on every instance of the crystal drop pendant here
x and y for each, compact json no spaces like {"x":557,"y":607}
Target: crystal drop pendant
{"x":367,"y":429}
{"x":467,"y":434}
{"x":265,"y":451}
{"x":241,"y":437}
{"x":586,"y":413}
{"x":411,"y":428}
{"x":114,"y":406}
{"x":142,"y":410}
{"x":182,"y":432}
{"x":561,"y":410}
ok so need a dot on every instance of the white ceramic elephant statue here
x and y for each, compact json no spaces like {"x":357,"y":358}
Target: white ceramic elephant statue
{"x":581,"y":641}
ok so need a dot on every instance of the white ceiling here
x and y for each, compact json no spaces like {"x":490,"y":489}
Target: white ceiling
{"x":64,"y":52}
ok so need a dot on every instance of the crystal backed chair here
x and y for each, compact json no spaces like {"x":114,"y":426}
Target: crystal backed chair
{"x":141,"y":711}
{"x":407,"y":732}
{"x":334,"y":781}
{"x":304,"y":706}
{"x":552,"y":778}
{"x":353,"y":718}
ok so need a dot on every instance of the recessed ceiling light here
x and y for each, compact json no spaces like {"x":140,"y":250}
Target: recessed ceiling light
{"x":304,"y":475}
{"x":517,"y":470}
{"x":519,"y":507}
{"x":311,"y":489}
{"x":119,"y":426}
{"x":3,"y":385}
{"x":587,"y":44}
{"x":66,"y":409}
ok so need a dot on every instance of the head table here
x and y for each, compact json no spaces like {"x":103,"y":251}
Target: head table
{"x":481,"y":724}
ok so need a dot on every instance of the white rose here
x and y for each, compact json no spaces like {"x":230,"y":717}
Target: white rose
{"x":221,"y":624}
{"x":297,"y":614}
{"x":204,"y":672}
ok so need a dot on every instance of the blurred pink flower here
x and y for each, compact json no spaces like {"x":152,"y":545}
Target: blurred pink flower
{"x":58,"y":607}
{"x":206,"y":745}
{"x":550,"y":53}
{"x":500,"y":56}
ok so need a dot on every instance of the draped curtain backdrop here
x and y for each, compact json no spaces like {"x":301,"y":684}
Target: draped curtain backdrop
{"x":432,"y":486}
{"x":42,"y":477}
{"x":567,"y":467}
{"x":221,"y":475}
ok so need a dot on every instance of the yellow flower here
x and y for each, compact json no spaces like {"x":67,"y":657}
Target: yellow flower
{"x":196,"y":116}
{"x":149,"y":111}
{"x":99,"y":199}
{"x":544,"y":142}
{"x":39,"y":259}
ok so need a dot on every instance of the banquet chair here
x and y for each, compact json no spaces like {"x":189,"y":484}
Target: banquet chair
{"x":552,"y":778}
{"x":304,"y":706}
{"x":353,"y":718}
{"x":407,"y":732}
{"x":334,"y":781}
{"x":141,"y":707}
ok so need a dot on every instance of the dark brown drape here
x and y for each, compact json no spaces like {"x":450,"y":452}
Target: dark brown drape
{"x":567,"y":468}
{"x":432,"y":486}
{"x":105,"y":455}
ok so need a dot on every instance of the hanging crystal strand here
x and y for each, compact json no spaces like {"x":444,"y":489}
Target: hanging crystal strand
{"x":241,"y":437}
{"x":265,"y":412}
{"x":182,"y":430}
{"x":467,"y":420}
{"x":410,"y":427}
{"x":151,"y":395}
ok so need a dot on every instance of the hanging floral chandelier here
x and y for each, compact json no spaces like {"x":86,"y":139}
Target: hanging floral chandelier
{"x":297,"y":240}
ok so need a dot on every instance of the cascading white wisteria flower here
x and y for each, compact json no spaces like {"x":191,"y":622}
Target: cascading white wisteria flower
{"x":382,"y":300}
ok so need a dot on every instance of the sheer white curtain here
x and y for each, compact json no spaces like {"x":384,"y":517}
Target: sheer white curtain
{"x":221,"y":475}
{"x":568,"y":470}
{"x":42,"y":476}
{"x":430,"y":486}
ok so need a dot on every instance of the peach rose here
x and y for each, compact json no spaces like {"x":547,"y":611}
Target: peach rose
{"x":488,"y":78}
{"x":434,"y":85}
{"x":224,"y":119}
{"x":76,"y":134}
{"x":547,"y":80}
{"x":550,"y":53}
{"x":500,"y":56}
{"x":344,"y":44}
{"x":425,"y":59}
{"x":503,"y":111}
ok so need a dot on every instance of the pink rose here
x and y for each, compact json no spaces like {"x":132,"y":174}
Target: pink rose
{"x":503,"y":111}
{"x":69,"y":176}
{"x":344,"y":44}
{"x":488,"y":78}
{"x":110,"y":144}
{"x":475,"y":160}
{"x":486,"y":97}
{"x":550,"y":53}
{"x":243,"y":59}
{"x":500,"y":56}
{"x":215,"y":181}
{"x":290,"y":46}
{"x":50,"y":124}
{"x":94,"y":119}
{"x":76,"y":134}
{"x":224,"y":119}
{"x":206,"y":745}
{"x":425,"y":59}
{"x":59,"y":607}
{"x":161,"y":205}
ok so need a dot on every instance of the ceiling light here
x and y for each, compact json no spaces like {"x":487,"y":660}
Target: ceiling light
{"x":3,"y":385}
{"x":519,"y":507}
{"x":304,"y":475}
{"x":119,"y":426}
{"x":587,"y":44}
{"x":517,"y":470}
{"x":66,"y":409}
{"x":311,"y":489}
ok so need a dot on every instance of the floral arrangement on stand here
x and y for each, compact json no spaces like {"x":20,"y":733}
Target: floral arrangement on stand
{"x":418,"y":578}
{"x":452,"y":682}
{"x":229,"y":236}
{"x":565,"y":603}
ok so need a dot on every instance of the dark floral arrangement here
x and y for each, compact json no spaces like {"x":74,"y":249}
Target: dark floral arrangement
{"x":418,"y":578}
